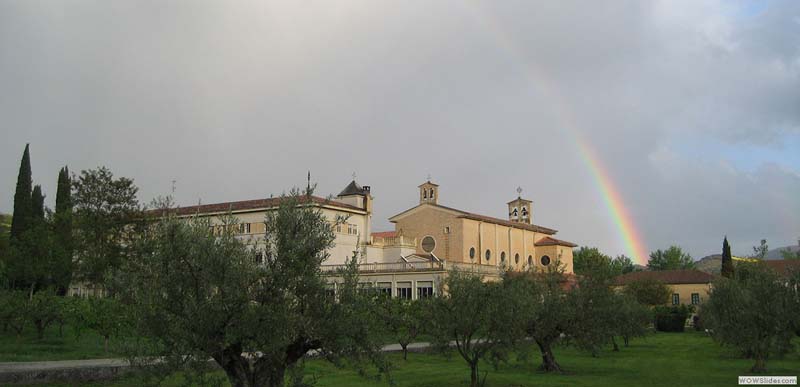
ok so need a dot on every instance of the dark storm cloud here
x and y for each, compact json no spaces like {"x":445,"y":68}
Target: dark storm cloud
{"x":239,"y":100}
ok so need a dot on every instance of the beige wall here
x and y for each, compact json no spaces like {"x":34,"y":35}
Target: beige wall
{"x":344,"y":243}
{"x":467,"y":233}
{"x":431,"y":221}
{"x":685,"y":291}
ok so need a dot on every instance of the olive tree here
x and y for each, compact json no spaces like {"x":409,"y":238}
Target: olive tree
{"x":198,"y":294}
{"x":404,"y":320}
{"x":753,"y":312}
{"x":475,"y":315}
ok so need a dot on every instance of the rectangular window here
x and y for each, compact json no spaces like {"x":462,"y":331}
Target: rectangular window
{"x":330,"y":290}
{"x":676,"y":299}
{"x":695,"y":299}
{"x":244,"y":228}
{"x":404,"y":290}
{"x":339,"y":228}
{"x":424,"y":289}
{"x":384,"y":288}
{"x":446,"y":229}
{"x":259,"y":257}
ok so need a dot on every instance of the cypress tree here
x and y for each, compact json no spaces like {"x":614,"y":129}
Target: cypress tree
{"x":727,"y":260}
{"x":37,"y":204}
{"x":23,"y":206}
{"x":63,"y":231}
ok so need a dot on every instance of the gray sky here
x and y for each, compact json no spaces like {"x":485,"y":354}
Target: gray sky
{"x":692,"y":107}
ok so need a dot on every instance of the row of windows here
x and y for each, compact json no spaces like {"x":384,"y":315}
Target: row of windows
{"x":240,"y":228}
{"x":544,"y":260}
{"x":349,"y":229}
{"x":676,"y":299}
{"x":403,"y":290}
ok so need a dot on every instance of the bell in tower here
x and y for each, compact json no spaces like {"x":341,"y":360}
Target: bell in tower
{"x":520,"y":210}
{"x":428,"y":192}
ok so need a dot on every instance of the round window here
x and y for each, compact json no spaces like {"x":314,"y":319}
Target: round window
{"x":488,"y":255}
{"x":516,"y":259}
{"x":545,"y":260}
{"x":471,"y":253}
{"x":428,"y":244}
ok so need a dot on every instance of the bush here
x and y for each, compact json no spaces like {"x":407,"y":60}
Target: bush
{"x":671,"y":318}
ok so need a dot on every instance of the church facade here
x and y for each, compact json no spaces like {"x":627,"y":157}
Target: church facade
{"x":410,"y":261}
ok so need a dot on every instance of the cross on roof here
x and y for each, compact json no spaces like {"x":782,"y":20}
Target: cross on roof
{"x":519,"y":191}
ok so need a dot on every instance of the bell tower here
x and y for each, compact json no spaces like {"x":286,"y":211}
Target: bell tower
{"x":428,"y":192}
{"x":520,"y":210}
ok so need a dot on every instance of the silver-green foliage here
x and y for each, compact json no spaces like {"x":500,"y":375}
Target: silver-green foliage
{"x":198,"y":294}
{"x":755,"y":312}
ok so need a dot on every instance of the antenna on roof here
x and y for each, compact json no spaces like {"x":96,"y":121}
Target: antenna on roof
{"x":308,"y":183}
{"x":354,"y":176}
{"x":173,"y":186}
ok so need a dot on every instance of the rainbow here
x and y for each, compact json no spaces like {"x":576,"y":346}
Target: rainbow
{"x":612,"y":198}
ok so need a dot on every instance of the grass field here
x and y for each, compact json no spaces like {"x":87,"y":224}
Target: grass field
{"x":53,"y":347}
{"x":664,"y":359}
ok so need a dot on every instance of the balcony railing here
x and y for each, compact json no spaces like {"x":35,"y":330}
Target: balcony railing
{"x":396,"y":267}
{"x":395,"y":241}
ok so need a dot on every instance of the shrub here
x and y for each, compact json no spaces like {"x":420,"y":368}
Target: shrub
{"x":671,"y":318}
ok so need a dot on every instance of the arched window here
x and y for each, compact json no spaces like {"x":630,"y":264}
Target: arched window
{"x":471,"y":253}
{"x":431,"y":193}
{"x":424,"y":193}
{"x":488,"y":255}
{"x":545,"y":260}
{"x":530,"y":260}
{"x":503,"y":257}
{"x":516,"y":259}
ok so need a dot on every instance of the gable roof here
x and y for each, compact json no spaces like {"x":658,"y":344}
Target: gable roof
{"x":249,"y":205}
{"x":670,"y":277}
{"x":385,"y":234}
{"x":482,"y":218}
{"x":548,"y":241}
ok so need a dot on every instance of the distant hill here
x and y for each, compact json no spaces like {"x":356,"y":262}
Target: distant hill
{"x":712,"y":264}
{"x":776,"y":253}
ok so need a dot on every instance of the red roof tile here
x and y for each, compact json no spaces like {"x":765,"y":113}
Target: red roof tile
{"x":549,"y":241}
{"x":783,"y":267}
{"x":246,"y":205}
{"x":671,"y":277}
{"x":385,"y":234}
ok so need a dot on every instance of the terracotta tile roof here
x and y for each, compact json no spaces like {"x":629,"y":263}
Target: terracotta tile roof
{"x":385,"y":234}
{"x":671,"y":277}
{"x":489,"y":219}
{"x":783,"y":267}
{"x":246,"y":205}
{"x":549,"y":241}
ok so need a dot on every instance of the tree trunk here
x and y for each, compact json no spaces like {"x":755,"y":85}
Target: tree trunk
{"x":473,"y":375}
{"x":549,"y":363}
{"x":614,"y":341}
{"x":760,"y":366}
{"x":39,"y":329}
{"x":626,"y":339}
{"x":405,"y":350}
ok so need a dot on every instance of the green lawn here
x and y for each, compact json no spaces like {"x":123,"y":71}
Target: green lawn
{"x":53,"y":346}
{"x":664,"y":359}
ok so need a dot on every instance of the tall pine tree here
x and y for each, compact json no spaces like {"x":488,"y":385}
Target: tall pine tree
{"x":727,"y":260}
{"x":23,"y":206}
{"x":62,"y":270}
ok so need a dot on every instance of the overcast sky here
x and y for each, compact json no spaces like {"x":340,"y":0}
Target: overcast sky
{"x":693,"y":107}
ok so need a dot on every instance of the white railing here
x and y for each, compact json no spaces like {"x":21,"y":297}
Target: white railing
{"x":395,"y":241}
{"x":395,"y":267}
